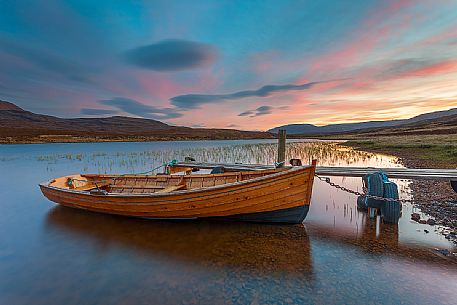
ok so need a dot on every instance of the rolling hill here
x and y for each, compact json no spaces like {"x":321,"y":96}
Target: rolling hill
{"x":20,"y":126}
{"x":309,"y":129}
{"x":445,"y":125}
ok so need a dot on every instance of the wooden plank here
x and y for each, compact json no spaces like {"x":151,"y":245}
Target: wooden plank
{"x":152,"y":187}
{"x":91,"y":186}
{"x":400,"y":173}
{"x":172,"y":188}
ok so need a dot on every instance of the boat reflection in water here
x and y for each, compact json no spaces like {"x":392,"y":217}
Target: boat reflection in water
{"x":258,"y":248}
{"x":211,"y":262}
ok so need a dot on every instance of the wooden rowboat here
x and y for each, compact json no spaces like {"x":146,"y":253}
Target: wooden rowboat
{"x":276,"y":195}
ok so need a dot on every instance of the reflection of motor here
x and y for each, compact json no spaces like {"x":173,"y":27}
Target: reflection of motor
{"x":378,"y":184}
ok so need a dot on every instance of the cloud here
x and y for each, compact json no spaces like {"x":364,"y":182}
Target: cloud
{"x":387,"y":70}
{"x":441,"y":67}
{"x":392,"y":69}
{"x":140,"y":109}
{"x":246,"y":113}
{"x":262,"y":110}
{"x":91,"y":111}
{"x":171,"y":55}
{"x":192,"y":101}
{"x":232,"y":126}
{"x":48,"y":61}
{"x":197,"y":125}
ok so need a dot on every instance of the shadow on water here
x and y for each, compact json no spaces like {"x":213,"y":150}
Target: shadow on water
{"x":236,"y":263}
{"x":258,"y":248}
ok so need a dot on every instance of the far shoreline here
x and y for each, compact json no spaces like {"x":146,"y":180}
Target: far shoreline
{"x":75,"y":140}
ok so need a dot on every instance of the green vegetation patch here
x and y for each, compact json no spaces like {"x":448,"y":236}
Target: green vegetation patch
{"x":428,"y":147}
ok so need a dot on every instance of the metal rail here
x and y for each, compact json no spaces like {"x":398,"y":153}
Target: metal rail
{"x":396,"y":173}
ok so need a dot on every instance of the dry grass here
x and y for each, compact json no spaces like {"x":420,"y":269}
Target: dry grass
{"x":439,"y":148}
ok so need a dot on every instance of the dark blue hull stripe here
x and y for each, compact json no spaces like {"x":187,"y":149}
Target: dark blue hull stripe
{"x":290,"y":215}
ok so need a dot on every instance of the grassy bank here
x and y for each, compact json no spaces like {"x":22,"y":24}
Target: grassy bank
{"x":436,"y":150}
{"x":422,"y":151}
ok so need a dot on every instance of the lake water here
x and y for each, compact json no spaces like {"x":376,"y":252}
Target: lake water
{"x":56,"y":255}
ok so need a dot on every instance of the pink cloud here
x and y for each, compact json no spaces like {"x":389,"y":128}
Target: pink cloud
{"x":373,"y":32}
{"x":446,"y":66}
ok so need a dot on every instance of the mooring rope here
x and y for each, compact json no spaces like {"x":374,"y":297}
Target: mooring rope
{"x":340,"y":187}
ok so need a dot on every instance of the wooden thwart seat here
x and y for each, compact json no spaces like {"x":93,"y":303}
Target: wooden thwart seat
{"x":91,"y":186}
{"x":172,"y":188}
{"x":163,"y":183}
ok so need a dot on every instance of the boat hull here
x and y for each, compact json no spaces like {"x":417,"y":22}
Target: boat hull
{"x":282,"y":197}
{"x":293,"y":215}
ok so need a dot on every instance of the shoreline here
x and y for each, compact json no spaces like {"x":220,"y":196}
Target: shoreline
{"x":435,"y":198}
{"x":73,"y":139}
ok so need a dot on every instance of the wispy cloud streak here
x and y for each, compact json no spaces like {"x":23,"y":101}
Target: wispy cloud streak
{"x":139,"y":109}
{"x":192,"y":101}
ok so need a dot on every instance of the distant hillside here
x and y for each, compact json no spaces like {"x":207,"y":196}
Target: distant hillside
{"x":309,"y":129}
{"x":445,"y":125}
{"x":9,"y":106}
{"x":21,"y":126}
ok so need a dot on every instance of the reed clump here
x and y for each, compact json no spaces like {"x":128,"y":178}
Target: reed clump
{"x":328,"y":153}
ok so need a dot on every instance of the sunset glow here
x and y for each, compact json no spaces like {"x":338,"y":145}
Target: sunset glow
{"x":237,"y":64}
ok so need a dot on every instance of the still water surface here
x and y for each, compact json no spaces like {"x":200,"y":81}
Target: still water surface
{"x":55,"y":255}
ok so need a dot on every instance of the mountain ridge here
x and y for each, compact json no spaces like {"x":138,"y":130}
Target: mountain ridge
{"x":21,"y":126}
{"x":310,"y":129}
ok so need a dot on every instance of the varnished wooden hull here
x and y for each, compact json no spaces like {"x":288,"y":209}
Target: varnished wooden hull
{"x":289,"y":215}
{"x":283,"y":196}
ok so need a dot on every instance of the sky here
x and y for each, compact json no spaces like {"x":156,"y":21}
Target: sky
{"x":245,"y":64}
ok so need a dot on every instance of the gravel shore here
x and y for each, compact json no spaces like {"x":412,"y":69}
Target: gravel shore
{"x":433,"y":197}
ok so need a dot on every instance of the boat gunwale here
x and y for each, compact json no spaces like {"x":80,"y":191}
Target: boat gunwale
{"x":180,"y":192}
{"x":93,"y":198}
